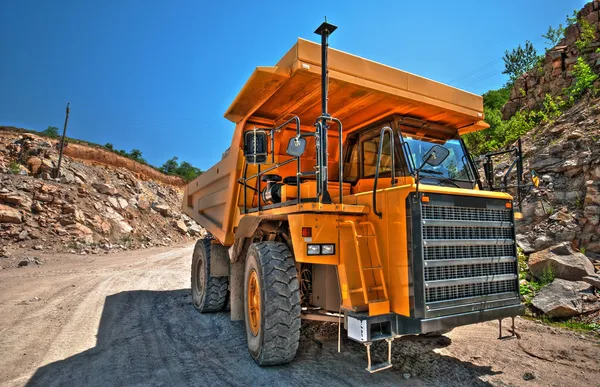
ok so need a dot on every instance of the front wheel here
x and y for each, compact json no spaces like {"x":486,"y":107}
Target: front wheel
{"x":271,"y":303}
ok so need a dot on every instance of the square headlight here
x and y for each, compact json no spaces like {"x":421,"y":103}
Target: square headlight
{"x":314,"y":249}
{"x":327,"y":249}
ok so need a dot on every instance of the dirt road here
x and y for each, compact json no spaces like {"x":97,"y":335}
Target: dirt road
{"x":127,"y":319}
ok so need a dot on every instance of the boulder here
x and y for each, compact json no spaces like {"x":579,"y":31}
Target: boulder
{"x":34,"y":164}
{"x":195,"y":230}
{"x":181,"y":226}
{"x":10,"y":215}
{"x":105,"y":188}
{"x":593,"y":280}
{"x":11,"y":198}
{"x":524,"y":244}
{"x":123,"y":203}
{"x":562,"y":261}
{"x":562,"y":298}
{"x":142,"y":202}
{"x":114,"y":202}
{"x":162,"y":209}
{"x":123,"y":227}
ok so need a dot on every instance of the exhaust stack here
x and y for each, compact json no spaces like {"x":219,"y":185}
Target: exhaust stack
{"x":325,"y":29}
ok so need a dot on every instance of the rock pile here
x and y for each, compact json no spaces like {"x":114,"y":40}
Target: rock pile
{"x":89,"y":209}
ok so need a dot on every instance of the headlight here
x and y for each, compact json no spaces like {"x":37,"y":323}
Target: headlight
{"x":327,"y":249}
{"x":314,"y":249}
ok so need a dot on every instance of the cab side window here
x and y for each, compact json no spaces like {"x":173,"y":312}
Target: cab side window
{"x":370,"y":148}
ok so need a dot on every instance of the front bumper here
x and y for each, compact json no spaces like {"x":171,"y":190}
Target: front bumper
{"x":402,"y":325}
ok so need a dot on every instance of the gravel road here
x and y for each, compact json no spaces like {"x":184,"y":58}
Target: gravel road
{"x":126,"y":319}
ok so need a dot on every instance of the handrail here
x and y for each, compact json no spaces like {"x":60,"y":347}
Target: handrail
{"x":393,"y":155}
{"x":340,"y":156}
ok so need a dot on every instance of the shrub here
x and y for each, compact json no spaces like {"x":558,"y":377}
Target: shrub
{"x":587,"y":35}
{"x":51,"y":131}
{"x":584,"y":81}
{"x":14,"y":167}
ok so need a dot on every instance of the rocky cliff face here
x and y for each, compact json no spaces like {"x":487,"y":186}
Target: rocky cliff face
{"x":93,"y":207}
{"x":561,"y":219}
{"x":566,"y":208}
{"x":556,"y":70}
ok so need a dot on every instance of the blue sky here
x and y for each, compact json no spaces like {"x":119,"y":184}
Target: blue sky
{"x":158,"y":75}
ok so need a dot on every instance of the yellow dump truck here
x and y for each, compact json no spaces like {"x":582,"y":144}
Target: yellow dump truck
{"x":348,"y":195}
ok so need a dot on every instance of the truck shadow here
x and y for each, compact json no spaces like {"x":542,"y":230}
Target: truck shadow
{"x":156,"y":338}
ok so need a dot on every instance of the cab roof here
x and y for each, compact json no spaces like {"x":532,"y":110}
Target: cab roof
{"x":360,"y":92}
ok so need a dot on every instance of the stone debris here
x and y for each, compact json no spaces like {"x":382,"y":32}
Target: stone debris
{"x":564,"y":298}
{"x":560,"y":261}
{"x":90,"y":209}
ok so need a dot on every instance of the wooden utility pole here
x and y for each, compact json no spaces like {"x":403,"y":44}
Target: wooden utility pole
{"x":62,"y":143}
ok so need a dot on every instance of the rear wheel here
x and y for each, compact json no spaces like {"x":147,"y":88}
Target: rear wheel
{"x":209,"y":294}
{"x":271,"y":303}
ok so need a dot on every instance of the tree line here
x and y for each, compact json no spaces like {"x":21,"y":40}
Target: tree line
{"x":517,"y":62}
{"x":183,"y":169}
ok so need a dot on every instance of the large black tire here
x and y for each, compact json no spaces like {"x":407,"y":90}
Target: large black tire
{"x":276,"y":340}
{"x":209,"y":294}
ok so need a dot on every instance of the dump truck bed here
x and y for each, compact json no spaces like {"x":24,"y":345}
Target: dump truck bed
{"x":360,"y":92}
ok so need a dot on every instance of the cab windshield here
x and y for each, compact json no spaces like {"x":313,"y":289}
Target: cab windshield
{"x":455,"y":170}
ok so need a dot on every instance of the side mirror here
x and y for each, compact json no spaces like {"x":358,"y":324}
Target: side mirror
{"x":296,"y":146}
{"x":255,"y":146}
{"x":436,"y":155}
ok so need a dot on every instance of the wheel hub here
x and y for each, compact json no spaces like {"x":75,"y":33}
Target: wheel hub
{"x":253,"y":303}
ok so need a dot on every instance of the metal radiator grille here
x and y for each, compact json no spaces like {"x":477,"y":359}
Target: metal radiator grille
{"x":465,"y":271}
{"x":467,"y":252}
{"x":459,"y":252}
{"x":466,"y":213}
{"x":469,"y":290}
{"x":451,"y":232}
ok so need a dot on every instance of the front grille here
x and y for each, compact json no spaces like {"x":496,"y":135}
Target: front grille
{"x":450,"y":232}
{"x":467,"y":252}
{"x":469,"y":290}
{"x":454,"y":252}
{"x":466,"y":213}
{"x":465,"y":271}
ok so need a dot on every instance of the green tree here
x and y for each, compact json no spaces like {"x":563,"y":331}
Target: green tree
{"x":554,"y":35}
{"x":572,"y":19}
{"x":109,"y":146}
{"x":170,"y":166}
{"x":51,"y":131}
{"x":519,"y":60}
{"x":187,"y":171}
{"x":136,"y":155}
{"x":495,"y":99}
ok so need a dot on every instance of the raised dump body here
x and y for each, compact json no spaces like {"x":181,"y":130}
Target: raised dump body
{"x":348,"y":195}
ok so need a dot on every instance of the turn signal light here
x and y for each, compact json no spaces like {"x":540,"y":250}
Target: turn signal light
{"x":306,"y":232}
{"x":508,"y":205}
{"x":425,"y":199}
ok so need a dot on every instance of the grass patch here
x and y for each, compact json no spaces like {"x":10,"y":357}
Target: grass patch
{"x":573,"y":324}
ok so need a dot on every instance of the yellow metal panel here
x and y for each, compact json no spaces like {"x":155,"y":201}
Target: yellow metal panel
{"x":324,"y":230}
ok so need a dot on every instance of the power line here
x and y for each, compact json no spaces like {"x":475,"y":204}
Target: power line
{"x":478,"y":69}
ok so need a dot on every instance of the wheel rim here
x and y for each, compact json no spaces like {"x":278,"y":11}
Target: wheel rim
{"x":254,"y":303}
{"x":199,"y":278}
